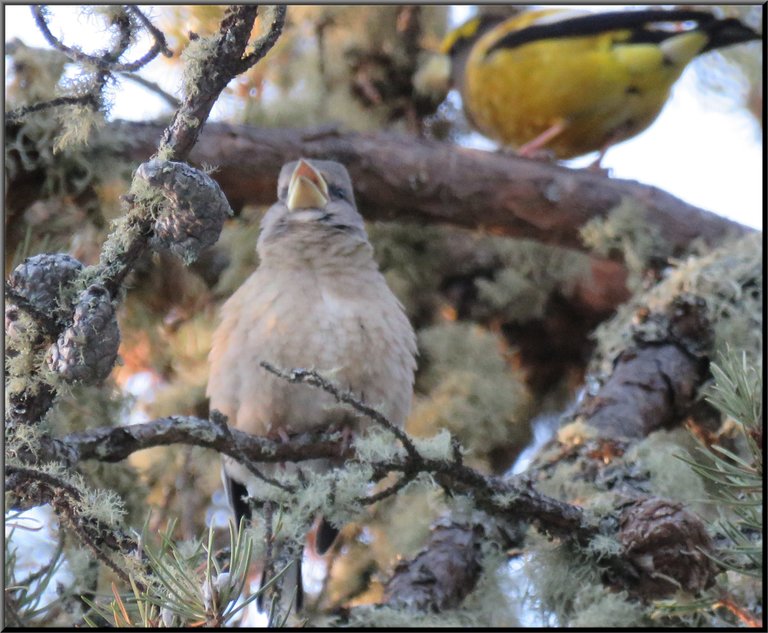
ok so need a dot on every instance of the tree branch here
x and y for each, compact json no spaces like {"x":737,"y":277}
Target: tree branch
{"x":213,"y":74}
{"x":310,"y":377}
{"x":153,"y":87}
{"x":85,"y":100}
{"x":654,"y":382}
{"x":510,"y":500}
{"x":403,"y":178}
{"x":442,"y":574}
{"x":114,"y":444}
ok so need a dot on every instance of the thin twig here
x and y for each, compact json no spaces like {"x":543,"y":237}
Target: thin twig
{"x":45,"y":569}
{"x":100,"y":555}
{"x":311,"y":377}
{"x":19,"y":113}
{"x":153,"y":87}
{"x":64,"y":499}
{"x":102,"y":62}
{"x":220,"y":420}
{"x":388,"y":492}
{"x":156,"y":33}
{"x":263,"y":45}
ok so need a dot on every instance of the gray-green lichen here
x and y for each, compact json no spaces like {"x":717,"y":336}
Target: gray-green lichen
{"x":193,"y":57}
{"x":625,"y":230}
{"x":529,"y":273}
{"x":662,"y":455}
{"x":729,"y":279}
{"x":470,"y":390}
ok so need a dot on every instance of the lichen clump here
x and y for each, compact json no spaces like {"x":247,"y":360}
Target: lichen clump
{"x":471,"y":391}
{"x":729,"y":279}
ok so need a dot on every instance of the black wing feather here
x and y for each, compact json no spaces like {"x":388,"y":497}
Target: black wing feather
{"x":596,"y":23}
{"x":235,"y":493}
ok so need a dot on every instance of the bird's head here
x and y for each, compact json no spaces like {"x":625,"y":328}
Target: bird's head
{"x":315,"y":201}
{"x":458,"y":43}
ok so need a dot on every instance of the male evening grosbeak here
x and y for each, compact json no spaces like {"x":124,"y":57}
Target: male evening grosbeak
{"x":573,"y":82}
{"x":316,"y":301}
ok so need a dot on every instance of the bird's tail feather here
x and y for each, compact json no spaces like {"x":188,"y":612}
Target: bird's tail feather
{"x":727,"y":32}
{"x":326,"y":535}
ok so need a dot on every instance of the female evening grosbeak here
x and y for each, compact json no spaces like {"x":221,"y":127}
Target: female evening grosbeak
{"x":317,"y":301}
{"x":573,"y":82}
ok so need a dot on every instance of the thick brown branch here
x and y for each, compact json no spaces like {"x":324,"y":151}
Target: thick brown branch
{"x":654,"y":382}
{"x":646,"y":392}
{"x":442,"y":574}
{"x":399,"y":177}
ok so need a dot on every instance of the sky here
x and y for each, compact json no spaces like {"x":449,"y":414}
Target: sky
{"x":702,"y":148}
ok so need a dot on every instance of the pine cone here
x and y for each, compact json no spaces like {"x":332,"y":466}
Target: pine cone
{"x":86,"y":351}
{"x":40,"y":278}
{"x":665,"y":541}
{"x":195,"y":208}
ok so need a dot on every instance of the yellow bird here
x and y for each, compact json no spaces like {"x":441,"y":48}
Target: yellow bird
{"x":571,"y":82}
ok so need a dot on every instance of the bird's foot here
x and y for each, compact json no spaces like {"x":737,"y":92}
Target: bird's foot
{"x":596,"y":168}
{"x":537,"y":147}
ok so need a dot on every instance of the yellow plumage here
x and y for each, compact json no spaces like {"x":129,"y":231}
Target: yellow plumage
{"x":570,"y":81}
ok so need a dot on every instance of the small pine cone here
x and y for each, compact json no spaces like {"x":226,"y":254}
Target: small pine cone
{"x":195,"y":208}
{"x":664,"y":541}
{"x":40,"y":278}
{"x":86,"y":351}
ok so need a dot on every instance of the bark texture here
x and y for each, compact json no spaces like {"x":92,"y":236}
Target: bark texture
{"x":442,"y":574}
{"x":404,"y":178}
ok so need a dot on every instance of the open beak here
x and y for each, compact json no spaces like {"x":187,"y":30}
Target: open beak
{"x":307,"y":188}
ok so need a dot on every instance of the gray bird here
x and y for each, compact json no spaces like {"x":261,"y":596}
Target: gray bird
{"x":316,"y":301}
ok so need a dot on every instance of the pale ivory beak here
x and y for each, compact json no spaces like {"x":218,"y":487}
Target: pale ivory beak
{"x":307,"y":188}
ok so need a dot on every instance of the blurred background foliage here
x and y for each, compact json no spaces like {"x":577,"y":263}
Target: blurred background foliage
{"x":501,"y":337}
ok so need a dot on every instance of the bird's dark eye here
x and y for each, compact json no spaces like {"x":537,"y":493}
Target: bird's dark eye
{"x":337,"y":192}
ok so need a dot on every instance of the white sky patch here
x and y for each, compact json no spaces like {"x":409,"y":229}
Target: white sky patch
{"x":711,"y":158}
{"x":32,"y":535}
